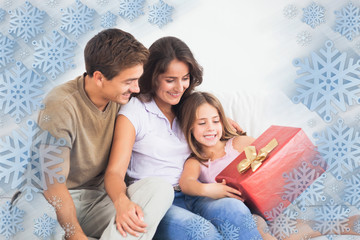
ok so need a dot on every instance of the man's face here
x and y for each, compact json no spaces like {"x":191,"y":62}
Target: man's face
{"x":120,"y":88}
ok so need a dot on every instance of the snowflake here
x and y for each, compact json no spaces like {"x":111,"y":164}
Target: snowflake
{"x":256,"y":238}
{"x":290,"y":11}
{"x":229,"y":231}
{"x":24,"y":53}
{"x":340,"y":147}
{"x":29,"y":159}
{"x":78,"y":19}
{"x":306,"y":237}
{"x":331,"y":218}
{"x":56,"y":202}
{"x":6,"y":50}
{"x":20,"y":91}
{"x":248,"y":222}
{"x":26,"y":21}
{"x":11,"y":219}
{"x":46,"y":118}
{"x":131,"y":9}
{"x":52,"y":3}
{"x":2,"y":14}
{"x":160,"y":13}
{"x":357,"y":117}
{"x":352,"y":191}
{"x":303,"y":38}
{"x":311,"y":123}
{"x":8,"y":3}
{"x":198,"y":228}
{"x":69,"y":229}
{"x":312,"y":194}
{"x":329,"y":82}
{"x":314,"y":15}
{"x":298,"y":180}
{"x":53,"y":22}
{"x":108,"y":20}
{"x":53,"y":55}
{"x":44,"y":226}
{"x":282,"y":222}
{"x":2,"y":119}
{"x":348,"y":21}
{"x":102,"y":2}
{"x":356,"y":226}
{"x":334,"y":188}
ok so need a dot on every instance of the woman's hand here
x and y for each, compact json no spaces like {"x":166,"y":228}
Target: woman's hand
{"x":235,"y":126}
{"x":221,"y":190}
{"x":129,"y":218}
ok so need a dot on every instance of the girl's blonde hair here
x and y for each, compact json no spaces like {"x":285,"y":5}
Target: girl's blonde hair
{"x":187,"y":118}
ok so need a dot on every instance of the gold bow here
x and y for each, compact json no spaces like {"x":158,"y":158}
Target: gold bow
{"x":254,"y":160}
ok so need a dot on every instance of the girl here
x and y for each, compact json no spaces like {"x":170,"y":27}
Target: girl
{"x":214,"y":145}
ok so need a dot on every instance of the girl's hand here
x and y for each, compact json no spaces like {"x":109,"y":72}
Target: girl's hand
{"x":221,"y":190}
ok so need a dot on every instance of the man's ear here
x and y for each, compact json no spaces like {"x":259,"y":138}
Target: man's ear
{"x":98,"y":78}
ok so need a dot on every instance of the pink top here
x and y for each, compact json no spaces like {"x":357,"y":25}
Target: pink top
{"x":213,"y":168}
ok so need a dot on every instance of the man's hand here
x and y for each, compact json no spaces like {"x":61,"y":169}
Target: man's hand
{"x":221,"y":190}
{"x":129,"y":218}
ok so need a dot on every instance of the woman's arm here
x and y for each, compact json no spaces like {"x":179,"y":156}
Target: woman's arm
{"x":190,"y":185}
{"x":129,"y":216}
{"x":240,"y":142}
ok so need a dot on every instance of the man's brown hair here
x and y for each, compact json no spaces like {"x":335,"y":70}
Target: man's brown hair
{"x":113,"y":50}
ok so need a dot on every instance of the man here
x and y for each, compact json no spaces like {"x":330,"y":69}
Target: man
{"x":83,"y":112}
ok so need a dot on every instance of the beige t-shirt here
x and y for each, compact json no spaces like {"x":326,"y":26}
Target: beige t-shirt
{"x":88,"y":132}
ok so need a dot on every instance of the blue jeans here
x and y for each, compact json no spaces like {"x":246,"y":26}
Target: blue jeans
{"x":197,"y":218}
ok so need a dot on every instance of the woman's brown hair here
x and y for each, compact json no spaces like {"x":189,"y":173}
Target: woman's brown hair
{"x":187,"y":118}
{"x":162,"y":52}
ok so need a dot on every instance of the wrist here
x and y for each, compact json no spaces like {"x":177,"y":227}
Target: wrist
{"x":204,"y":189}
{"x":77,"y":236}
{"x":121,"y":199}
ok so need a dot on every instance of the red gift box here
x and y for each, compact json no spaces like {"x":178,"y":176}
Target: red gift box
{"x":271,"y":186}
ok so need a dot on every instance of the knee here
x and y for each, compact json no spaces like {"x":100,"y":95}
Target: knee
{"x":233,"y":205}
{"x":161,"y":190}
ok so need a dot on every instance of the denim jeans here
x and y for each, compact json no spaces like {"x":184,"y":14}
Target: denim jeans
{"x":197,"y":218}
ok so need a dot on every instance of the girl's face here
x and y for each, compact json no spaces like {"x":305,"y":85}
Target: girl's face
{"x":207,"y":128}
{"x":173,"y":83}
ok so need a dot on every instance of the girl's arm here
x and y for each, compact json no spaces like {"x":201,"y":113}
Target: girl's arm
{"x":190,"y":185}
{"x":128,"y":214}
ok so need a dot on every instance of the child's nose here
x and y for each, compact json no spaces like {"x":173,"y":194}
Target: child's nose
{"x":210,"y":126}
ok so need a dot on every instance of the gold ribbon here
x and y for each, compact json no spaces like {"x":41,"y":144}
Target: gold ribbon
{"x":254,"y":160}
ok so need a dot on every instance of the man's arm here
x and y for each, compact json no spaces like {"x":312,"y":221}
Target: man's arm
{"x":66,"y":212}
{"x":129,"y":216}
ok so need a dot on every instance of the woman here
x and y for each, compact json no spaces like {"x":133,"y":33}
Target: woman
{"x":149,"y":142}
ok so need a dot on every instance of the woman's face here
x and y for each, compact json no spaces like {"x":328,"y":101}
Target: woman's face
{"x":173,"y":83}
